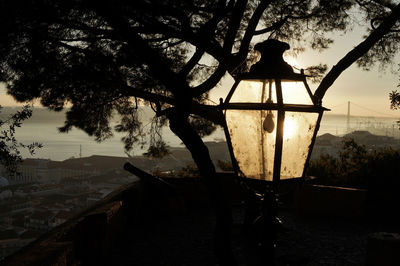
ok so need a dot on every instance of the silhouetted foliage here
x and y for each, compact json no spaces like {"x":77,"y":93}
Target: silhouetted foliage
{"x":357,"y":167}
{"x":225,"y":166}
{"x":395,"y":100}
{"x":157,"y":150}
{"x":375,"y":170}
{"x":189,"y":170}
{"x":10,"y":147}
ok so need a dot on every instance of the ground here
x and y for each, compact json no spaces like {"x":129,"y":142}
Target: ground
{"x":186,"y":239}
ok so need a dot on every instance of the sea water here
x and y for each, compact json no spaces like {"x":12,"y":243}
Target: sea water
{"x":43,"y":128}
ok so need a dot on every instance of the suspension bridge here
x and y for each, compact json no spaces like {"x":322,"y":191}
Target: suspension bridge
{"x":374,"y":121}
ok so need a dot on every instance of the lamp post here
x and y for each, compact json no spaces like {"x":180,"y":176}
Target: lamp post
{"x":271,"y":122}
{"x":271,"y":119}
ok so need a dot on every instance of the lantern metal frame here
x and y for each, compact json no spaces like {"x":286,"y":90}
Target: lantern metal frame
{"x":278,"y":77}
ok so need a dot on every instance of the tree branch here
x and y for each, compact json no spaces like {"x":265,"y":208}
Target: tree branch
{"x":212,"y":81}
{"x":149,"y":96}
{"x":210,"y":26}
{"x":158,"y":65}
{"x":77,"y":25}
{"x":273,"y":27}
{"x":357,"y":52}
{"x":230,"y":63}
{"x":69,"y":47}
{"x":202,"y":39}
{"x":387,"y":4}
{"x":210,"y":112}
{"x":255,"y":18}
{"x":191,"y":63}
{"x":234,"y":24}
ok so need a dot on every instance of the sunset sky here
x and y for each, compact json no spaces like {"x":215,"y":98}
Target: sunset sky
{"x":369,"y":90}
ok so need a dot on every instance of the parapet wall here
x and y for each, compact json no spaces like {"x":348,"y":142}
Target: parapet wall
{"x":87,"y":238}
{"x":78,"y":239}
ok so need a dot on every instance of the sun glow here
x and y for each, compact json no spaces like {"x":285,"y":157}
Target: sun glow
{"x":289,"y":128}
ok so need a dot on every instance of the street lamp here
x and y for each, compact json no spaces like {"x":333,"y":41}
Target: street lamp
{"x":272,"y":118}
{"x":271,"y":122}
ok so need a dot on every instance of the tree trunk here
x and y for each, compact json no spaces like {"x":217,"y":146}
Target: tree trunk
{"x":180,"y":125}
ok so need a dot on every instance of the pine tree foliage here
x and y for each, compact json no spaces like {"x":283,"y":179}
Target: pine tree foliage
{"x":394,"y":97}
{"x":95,"y":57}
{"x":10,"y":147}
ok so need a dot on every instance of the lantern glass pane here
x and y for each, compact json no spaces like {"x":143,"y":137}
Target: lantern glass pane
{"x":253,"y":146}
{"x":254,"y":91}
{"x":295,"y":93}
{"x":297,"y":136}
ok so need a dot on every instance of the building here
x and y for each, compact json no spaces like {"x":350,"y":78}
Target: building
{"x":40,"y":221}
{"x":61,"y":217}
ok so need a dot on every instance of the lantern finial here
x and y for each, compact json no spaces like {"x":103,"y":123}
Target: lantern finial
{"x":271,"y":62}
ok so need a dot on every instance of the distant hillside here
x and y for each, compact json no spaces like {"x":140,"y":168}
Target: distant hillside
{"x":39,"y":115}
{"x":178,"y":158}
